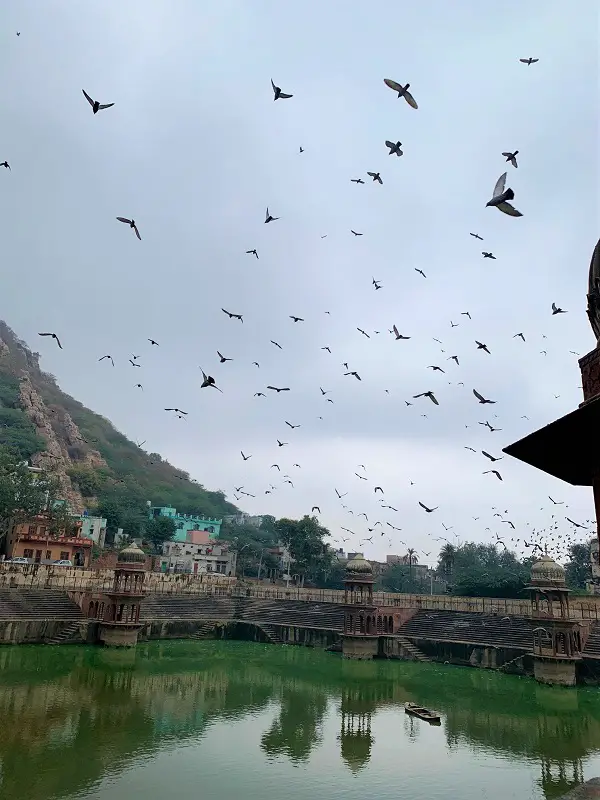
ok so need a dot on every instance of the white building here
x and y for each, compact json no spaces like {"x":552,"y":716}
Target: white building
{"x":243,"y":519}
{"x":93,"y":528}
{"x":195,"y":559}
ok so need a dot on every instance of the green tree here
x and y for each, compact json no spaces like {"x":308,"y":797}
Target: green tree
{"x":446,"y":560}
{"x":159,"y":530}
{"x":481,"y":570}
{"x":22,"y":494}
{"x":305,"y":539}
{"x":579,"y":568}
{"x":401,"y":578}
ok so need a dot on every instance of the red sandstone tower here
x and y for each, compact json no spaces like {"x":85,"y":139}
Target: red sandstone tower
{"x":360,"y":639}
{"x":120,"y":622}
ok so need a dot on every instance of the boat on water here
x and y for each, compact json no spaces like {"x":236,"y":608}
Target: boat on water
{"x":423,"y":713}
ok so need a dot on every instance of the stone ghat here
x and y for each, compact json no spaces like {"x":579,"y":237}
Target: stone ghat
{"x":74,"y":579}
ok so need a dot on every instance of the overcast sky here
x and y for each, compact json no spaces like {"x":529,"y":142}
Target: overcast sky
{"x":195,"y":148}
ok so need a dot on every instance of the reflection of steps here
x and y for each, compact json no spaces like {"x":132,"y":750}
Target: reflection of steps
{"x":417,"y":654}
{"x":204,"y":631}
{"x":271,"y":633}
{"x":66,"y":633}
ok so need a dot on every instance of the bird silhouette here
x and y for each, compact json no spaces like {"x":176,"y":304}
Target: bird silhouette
{"x":278,"y":94}
{"x":511,"y":157}
{"x":233,"y":316}
{"x":428,"y":510}
{"x":208,"y":381}
{"x":356,"y":375}
{"x":476,"y":236}
{"x":376,"y":177}
{"x":556,"y":310}
{"x":482,"y":346}
{"x":131,"y":223}
{"x":420,"y":271}
{"x":488,"y":255}
{"x":269,"y":218}
{"x":5,"y":164}
{"x":529,"y":61}
{"x":501,"y":197}
{"x":493,"y":472}
{"x":402,"y":91}
{"x":277,"y":389}
{"x":96,"y":106}
{"x":54,"y":336}
{"x":481,"y":398}
{"x":252,"y":253}
{"x":245,"y":459}
{"x":394,"y":148}
{"x":430,"y":395}
{"x":222,"y":358}
{"x":397,"y":335}
{"x":296,"y":319}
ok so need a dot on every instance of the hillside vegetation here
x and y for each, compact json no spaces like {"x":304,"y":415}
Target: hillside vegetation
{"x":120,"y":487}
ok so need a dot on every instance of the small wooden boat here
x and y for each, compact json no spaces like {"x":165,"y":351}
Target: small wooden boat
{"x":423,"y":713}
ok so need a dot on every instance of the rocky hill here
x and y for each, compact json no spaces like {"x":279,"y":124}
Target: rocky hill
{"x":98,"y":467}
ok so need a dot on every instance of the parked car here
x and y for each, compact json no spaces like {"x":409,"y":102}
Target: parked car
{"x":61,"y":562}
{"x":18,"y":560}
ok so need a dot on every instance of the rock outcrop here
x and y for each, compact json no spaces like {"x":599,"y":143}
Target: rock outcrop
{"x":55,"y":457}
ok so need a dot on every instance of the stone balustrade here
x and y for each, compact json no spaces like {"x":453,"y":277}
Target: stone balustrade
{"x":36,"y":576}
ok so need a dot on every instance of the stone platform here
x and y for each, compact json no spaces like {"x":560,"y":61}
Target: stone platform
{"x":590,"y":790}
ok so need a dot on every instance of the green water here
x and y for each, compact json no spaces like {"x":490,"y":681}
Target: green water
{"x":227,"y":720}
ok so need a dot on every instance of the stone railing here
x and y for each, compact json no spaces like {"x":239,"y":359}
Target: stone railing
{"x":31,"y":576}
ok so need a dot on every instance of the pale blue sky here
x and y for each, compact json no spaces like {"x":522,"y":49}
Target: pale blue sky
{"x":195,"y":149}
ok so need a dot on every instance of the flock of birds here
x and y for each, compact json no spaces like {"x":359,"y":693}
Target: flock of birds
{"x":554,"y":539}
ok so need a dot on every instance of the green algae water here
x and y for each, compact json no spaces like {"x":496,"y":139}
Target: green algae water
{"x":188,"y":720}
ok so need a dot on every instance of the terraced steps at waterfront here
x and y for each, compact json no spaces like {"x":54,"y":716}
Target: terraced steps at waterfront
{"x":472,"y":628}
{"x":37,"y":604}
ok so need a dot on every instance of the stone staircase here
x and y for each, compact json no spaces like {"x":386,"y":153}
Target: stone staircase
{"x":592,"y":646}
{"x":416,"y":653}
{"x":37,"y":604}
{"x":271,"y":633}
{"x":471,"y":628}
{"x":65,"y":634}
{"x":204,"y":631}
{"x":187,"y":606}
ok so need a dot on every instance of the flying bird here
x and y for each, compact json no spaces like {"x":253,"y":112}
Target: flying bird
{"x":290,"y":425}
{"x":276,"y":389}
{"x":281,"y":444}
{"x":315,"y":508}
{"x":402,"y":91}
{"x":356,"y":375}
{"x":428,"y":510}
{"x":482,"y":346}
{"x":296,"y":319}
{"x":276,"y":344}
{"x":512,"y":157}
{"x":556,"y":502}
{"x":436,"y":369}
{"x":376,"y":177}
{"x":376,"y":284}
{"x":378,"y":489}
{"x":556,"y":310}
{"x":420,"y":271}
{"x":252,"y":253}
{"x":430,"y":395}
{"x":133,"y":364}
{"x":356,"y":180}
{"x":364,"y":333}
{"x":476,"y":236}
{"x":54,"y":336}
{"x":278,"y":94}
{"x":520,"y":335}
{"x":269,"y":218}
{"x":96,"y":106}
{"x":177,"y":410}
{"x":109,"y":357}
{"x":5,"y":164}
{"x":454,"y":358}
{"x":488,"y":255}
{"x":493,"y":472}
{"x":208,"y":380}
{"x":153,"y":342}
{"x":222,"y":358}
{"x":491,"y":458}
{"x":501,"y":197}
{"x":245,"y":459}
{"x":394,"y":148}
{"x":233,"y":316}
{"x":131,"y":223}
{"x":529,"y":61}
{"x":398,"y":335}
{"x":355,"y":232}
{"x":481,"y":398}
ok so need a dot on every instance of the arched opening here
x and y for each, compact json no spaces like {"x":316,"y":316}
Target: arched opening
{"x":390,"y":624}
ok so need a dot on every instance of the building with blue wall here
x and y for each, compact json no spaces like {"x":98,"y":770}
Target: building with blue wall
{"x":187,"y":522}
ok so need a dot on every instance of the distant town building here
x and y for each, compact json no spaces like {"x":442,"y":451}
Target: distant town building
{"x":93,"y":528}
{"x":195,"y":559}
{"x":33,"y":540}
{"x":243,"y":519}
{"x":187,"y":522}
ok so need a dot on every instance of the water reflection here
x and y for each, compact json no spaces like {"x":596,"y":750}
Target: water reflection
{"x":73,"y":716}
